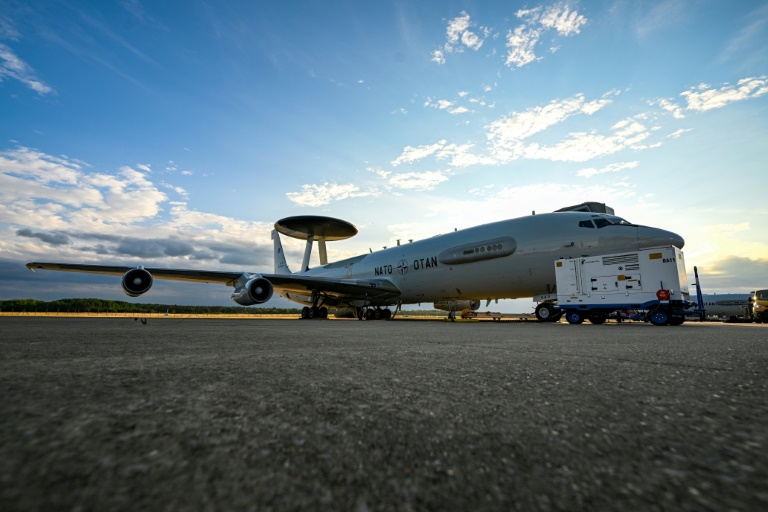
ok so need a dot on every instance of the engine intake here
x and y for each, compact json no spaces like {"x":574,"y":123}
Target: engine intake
{"x":136,"y":281}
{"x":457,"y":305}
{"x":256,"y":291}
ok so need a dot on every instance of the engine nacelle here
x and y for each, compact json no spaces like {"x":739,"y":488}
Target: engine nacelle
{"x":256,"y":291}
{"x":457,"y":305}
{"x":136,"y":281}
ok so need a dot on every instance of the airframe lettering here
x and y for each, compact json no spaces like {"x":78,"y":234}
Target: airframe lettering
{"x":425,"y":263}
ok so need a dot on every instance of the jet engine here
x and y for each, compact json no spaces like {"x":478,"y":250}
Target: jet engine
{"x":457,"y":305}
{"x":136,"y":281}
{"x":256,"y":291}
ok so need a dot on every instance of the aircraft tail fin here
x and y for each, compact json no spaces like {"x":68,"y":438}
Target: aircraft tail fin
{"x":281,"y":266}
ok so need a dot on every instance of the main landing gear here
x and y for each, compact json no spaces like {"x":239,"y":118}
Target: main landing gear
{"x":374,"y":313}
{"x":314,"y":312}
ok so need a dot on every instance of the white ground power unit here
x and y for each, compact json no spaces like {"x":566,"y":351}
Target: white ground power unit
{"x":651,"y":283}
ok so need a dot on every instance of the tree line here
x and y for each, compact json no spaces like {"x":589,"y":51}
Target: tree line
{"x":119,"y":306}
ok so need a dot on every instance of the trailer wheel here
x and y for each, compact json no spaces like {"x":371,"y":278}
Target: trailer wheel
{"x":574,"y":317}
{"x":545,"y":312}
{"x":676,"y":320}
{"x":659,"y":317}
{"x":597,"y":320}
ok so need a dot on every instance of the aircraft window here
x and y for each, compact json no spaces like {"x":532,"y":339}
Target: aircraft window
{"x":586,"y":224}
{"x":610,"y":220}
{"x":601,"y":223}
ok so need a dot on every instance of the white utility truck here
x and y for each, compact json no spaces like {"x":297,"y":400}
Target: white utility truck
{"x":649,"y":284}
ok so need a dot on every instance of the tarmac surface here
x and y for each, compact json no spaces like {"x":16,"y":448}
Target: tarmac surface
{"x":206,"y":414}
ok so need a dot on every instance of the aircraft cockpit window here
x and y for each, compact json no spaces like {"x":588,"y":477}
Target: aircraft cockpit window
{"x":601,"y":223}
{"x":586,"y":224}
{"x":618,"y":221}
{"x":611,"y":220}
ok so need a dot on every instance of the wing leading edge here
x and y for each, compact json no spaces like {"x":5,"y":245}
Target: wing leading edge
{"x":197,"y":276}
{"x":343,"y":289}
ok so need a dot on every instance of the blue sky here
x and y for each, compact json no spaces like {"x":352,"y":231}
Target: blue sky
{"x":176,"y":133}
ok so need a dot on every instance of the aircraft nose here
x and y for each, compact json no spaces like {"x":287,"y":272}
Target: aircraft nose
{"x":677,"y":240}
{"x":654,"y":237}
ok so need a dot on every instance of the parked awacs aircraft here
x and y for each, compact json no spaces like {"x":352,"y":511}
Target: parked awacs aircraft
{"x":507,"y":259}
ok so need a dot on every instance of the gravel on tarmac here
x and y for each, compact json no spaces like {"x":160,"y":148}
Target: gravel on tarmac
{"x":213,"y":414}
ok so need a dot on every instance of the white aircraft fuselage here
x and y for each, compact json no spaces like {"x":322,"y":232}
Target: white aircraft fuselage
{"x":507,"y":259}
{"x":501,"y":260}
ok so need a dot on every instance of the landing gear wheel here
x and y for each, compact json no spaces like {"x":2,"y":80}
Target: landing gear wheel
{"x":360,"y":313}
{"x":574,"y":317}
{"x":386,"y":314}
{"x":659,"y":317}
{"x":597,"y":320}
{"x":323,"y":312}
{"x":546,"y":312}
{"x":305,"y":312}
{"x":369,"y":314}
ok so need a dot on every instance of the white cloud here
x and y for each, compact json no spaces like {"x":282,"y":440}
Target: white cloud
{"x":411,"y":154}
{"x":521,"y":42}
{"x":419,"y":180}
{"x":458,"y":36}
{"x":11,"y":66}
{"x":319,"y":195}
{"x":380,"y":172}
{"x":561,"y":18}
{"x":523,"y":39}
{"x":507,"y":132}
{"x":179,"y":190}
{"x":507,"y":137}
{"x":675,"y":109}
{"x":56,"y":192}
{"x":678,"y":133}
{"x":589,"y":172}
{"x":462,"y":156}
{"x":46,"y":199}
{"x":456,"y":27}
{"x":581,"y":146}
{"x":703,"y":97}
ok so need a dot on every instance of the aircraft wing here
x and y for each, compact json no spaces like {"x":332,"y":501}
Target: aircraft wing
{"x":333,"y":286}
{"x":291,"y":283}
{"x":198,"y":276}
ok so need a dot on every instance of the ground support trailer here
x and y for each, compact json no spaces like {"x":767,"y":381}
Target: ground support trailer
{"x":650,"y":284}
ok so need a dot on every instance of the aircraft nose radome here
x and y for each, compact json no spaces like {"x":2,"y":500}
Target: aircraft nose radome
{"x":653,"y":237}
{"x":677,"y":240}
